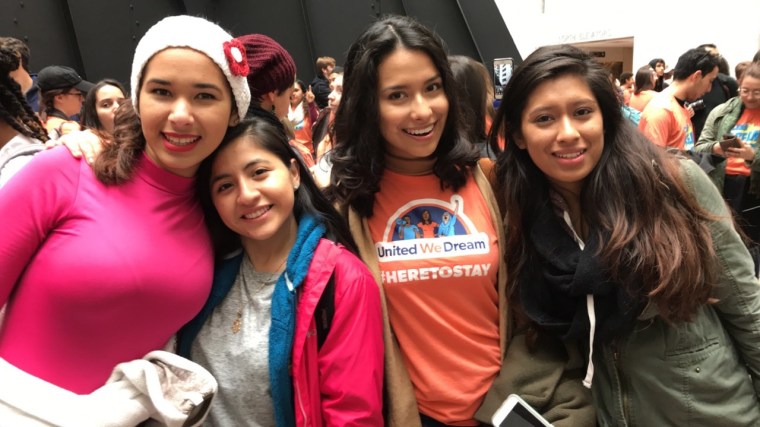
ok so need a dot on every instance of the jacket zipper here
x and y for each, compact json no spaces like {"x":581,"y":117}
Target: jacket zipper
{"x":623,"y":392}
{"x":300,"y":404}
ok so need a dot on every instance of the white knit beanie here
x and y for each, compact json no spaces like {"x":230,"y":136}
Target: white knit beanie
{"x":205,"y":37}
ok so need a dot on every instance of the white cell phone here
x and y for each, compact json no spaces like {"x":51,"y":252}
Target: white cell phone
{"x":502,"y":72}
{"x":515,"y":412}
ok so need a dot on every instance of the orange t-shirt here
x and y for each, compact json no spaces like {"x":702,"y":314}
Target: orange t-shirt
{"x":666,"y":123}
{"x":441,"y":292}
{"x":302,"y":133}
{"x":306,"y":155}
{"x":748,"y":129}
{"x":428,"y":230}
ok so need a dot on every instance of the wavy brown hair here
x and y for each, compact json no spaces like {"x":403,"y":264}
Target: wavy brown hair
{"x":120,"y":154}
{"x":654,"y":236}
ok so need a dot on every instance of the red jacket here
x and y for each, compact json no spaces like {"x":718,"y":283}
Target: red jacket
{"x":341,"y":383}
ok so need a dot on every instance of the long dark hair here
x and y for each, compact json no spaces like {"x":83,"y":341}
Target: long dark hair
{"x":660,"y":236}
{"x":14,"y":109}
{"x":267,"y":133}
{"x":90,"y":117}
{"x":123,"y":148}
{"x":643,"y":79}
{"x":359,"y":153}
{"x":473,"y":83}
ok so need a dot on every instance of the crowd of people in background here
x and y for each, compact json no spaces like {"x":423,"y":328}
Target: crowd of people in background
{"x":380,"y":245}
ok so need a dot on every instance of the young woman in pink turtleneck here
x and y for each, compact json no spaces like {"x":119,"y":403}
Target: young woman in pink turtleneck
{"x":101,"y":267}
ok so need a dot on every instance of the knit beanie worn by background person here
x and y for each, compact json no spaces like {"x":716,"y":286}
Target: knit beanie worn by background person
{"x":200,"y":35}
{"x":271,"y":66}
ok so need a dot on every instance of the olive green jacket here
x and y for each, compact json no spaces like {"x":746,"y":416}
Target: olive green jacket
{"x":700,"y":373}
{"x":719,"y":122}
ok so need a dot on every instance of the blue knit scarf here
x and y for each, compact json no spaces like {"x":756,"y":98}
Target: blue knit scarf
{"x":284,"y":318}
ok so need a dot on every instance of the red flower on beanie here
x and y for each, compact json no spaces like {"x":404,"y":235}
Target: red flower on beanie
{"x":235,"y":53}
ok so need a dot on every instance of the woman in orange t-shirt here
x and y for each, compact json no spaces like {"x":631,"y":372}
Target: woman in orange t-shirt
{"x":401,"y":149}
{"x":302,"y":113}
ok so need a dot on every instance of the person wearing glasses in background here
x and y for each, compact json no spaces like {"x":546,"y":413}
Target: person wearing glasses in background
{"x":62,"y":93}
{"x":738,"y":120}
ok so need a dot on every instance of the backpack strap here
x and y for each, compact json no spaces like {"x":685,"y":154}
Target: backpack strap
{"x":323,"y":315}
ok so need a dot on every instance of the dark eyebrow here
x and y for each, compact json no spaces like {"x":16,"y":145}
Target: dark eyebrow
{"x":159,"y":82}
{"x":430,"y":80}
{"x":162,"y":82}
{"x":247,"y":166}
{"x":207,"y":86}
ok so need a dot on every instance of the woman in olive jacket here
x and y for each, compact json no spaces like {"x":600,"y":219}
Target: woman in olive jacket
{"x":625,"y":250}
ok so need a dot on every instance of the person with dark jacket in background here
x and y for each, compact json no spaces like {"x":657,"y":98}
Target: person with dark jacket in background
{"x":658,"y":65}
{"x":320,"y":86}
{"x":723,"y":88}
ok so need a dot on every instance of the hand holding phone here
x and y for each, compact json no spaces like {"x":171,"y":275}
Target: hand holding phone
{"x":515,"y":412}
{"x":729,"y":141}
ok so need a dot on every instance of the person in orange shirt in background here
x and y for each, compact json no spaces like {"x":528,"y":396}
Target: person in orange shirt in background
{"x":302,"y":113}
{"x":666,"y":121}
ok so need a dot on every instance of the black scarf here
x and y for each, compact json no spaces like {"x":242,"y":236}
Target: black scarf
{"x":557,"y":277}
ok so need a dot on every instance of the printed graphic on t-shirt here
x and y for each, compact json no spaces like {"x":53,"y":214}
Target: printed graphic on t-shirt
{"x":748,"y":129}
{"x":748,"y":132}
{"x":448,"y":232}
{"x":438,"y":258}
{"x":689,"y":142}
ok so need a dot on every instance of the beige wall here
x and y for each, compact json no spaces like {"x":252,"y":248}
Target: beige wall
{"x":673,"y":26}
{"x":613,"y":54}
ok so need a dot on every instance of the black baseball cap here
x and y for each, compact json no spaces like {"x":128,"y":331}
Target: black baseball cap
{"x":60,"y":77}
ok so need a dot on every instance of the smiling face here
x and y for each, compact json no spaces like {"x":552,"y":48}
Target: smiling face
{"x":749,"y":91}
{"x":297,"y":96}
{"x":563,"y":130}
{"x":185,"y":106}
{"x":107,"y":100}
{"x":412,"y":104}
{"x":253,"y":191}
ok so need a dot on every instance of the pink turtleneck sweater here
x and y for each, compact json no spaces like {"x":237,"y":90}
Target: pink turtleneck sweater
{"x":94,"y":275}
